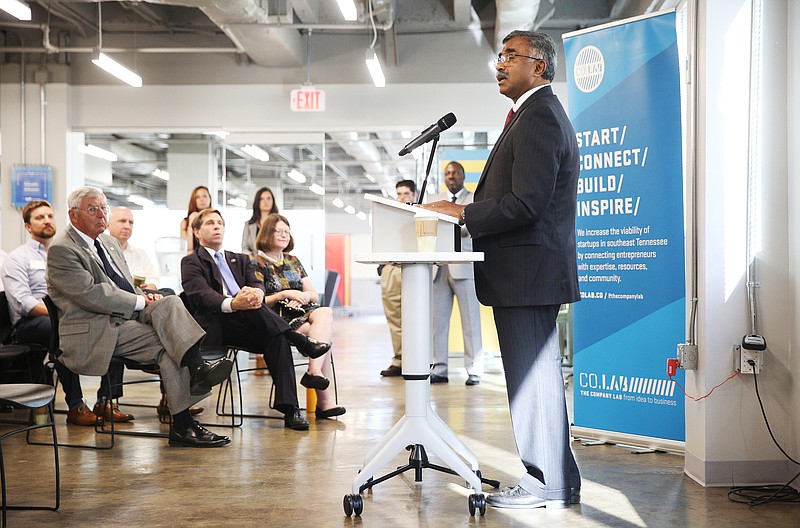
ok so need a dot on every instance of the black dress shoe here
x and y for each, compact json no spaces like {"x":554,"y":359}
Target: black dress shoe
{"x":312,"y":348}
{"x":392,"y":371}
{"x":197,"y":436}
{"x":294,"y":420}
{"x":439,"y":379}
{"x":310,"y":381}
{"x":205,"y":376}
{"x":472,"y":379}
{"x":330,"y":413}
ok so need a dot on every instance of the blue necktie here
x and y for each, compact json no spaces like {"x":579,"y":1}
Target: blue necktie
{"x":227,"y":275}
{"x":115,"y":277}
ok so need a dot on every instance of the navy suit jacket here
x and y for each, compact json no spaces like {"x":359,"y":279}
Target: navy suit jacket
{"x":202,"y":285}
{"x":523,"y":218}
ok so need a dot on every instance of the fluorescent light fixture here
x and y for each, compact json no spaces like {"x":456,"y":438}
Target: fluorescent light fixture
{"x":384,"y":192}
{"x":348,"y":8}
{"x":140,"y":200}
{"x":369,"y":176}
{"x":297,"y":176}
{"x":117,"y":70}
{"x":256,"y":152}
{"x":317,"y":189}
{"x":374,"y":66}
{"x":405,"y":134}
{"x":361,"y":216}
{"x":350,"y":209}
{"x":21,"y":11}
{"x":237,"y":202}
{"x":164,"y":175}
{"x":337,"y":202}
{"x":97,"y":152}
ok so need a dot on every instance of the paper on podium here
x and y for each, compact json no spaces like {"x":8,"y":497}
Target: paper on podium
{"x":393,"y":228}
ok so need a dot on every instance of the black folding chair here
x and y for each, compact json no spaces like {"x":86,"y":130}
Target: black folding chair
{"x":29,"y":396}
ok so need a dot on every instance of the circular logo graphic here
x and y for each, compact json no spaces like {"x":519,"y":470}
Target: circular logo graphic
{"x":589,"y":68}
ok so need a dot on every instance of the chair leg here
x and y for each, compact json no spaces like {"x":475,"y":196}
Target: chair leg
{"x":57,"y":465}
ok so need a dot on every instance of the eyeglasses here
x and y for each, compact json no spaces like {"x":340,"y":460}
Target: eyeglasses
{"x":282,"y":232}
{"x":505,"y":58}
{"x":94,"y":209}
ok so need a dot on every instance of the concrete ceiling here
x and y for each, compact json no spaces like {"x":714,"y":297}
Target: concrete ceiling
{"x":246,"y":41}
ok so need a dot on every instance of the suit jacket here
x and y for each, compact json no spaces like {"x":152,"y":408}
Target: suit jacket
{"x":90,"y":306}
{"x":203,"y":287}
{"x":458,"y":271}
{"x":523,"y":218}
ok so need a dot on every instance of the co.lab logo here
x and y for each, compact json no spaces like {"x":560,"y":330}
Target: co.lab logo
{"x":589,"y":69}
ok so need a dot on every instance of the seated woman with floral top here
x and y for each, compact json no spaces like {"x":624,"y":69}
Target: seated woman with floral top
{"x":289,"y":292}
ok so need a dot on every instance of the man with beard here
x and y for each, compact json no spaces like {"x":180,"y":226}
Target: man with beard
{"x":24,"y":281}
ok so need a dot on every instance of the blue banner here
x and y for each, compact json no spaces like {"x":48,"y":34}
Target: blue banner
{"x":624,"y":103}
{"x":31,"y":182}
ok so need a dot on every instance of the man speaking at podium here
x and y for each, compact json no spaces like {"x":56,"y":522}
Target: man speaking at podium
{"x":523,"y":220}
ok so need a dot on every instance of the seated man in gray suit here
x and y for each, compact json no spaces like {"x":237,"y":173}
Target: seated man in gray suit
{"x":102,"y":315}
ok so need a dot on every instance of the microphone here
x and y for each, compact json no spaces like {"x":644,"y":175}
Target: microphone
{"x":429,"y":133}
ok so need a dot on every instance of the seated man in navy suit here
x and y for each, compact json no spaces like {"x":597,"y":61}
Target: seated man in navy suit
{"x":226,"y":298}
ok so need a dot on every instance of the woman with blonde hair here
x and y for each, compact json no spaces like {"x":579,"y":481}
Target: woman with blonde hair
{"x":289,"y":291}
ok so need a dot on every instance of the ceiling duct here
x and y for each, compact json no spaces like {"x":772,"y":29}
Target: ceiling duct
{"x":252,"y":30}
{"x":511,"y":15}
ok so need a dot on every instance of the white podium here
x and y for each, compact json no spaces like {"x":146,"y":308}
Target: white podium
{"x":394,"y":241}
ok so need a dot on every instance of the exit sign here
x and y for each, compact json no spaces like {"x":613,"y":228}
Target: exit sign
{"x":308,"y":99}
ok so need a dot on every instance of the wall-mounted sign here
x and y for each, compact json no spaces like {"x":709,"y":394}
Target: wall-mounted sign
{"x":307,"y":99}
{"x":31,"y":182}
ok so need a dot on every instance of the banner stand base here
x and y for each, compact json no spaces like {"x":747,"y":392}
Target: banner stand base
{"x":644,"y":444}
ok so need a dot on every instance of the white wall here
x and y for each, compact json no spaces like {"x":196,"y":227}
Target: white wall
{"x":727,"y":442}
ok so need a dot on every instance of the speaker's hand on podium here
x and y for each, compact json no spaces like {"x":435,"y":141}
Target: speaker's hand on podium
{"x":444,"y":207}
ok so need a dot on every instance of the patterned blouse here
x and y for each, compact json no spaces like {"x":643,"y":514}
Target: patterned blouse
{"x":287,"y":274}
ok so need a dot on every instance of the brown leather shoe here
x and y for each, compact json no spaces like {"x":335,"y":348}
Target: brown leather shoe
{"x":119,"y":416}
{"x":163,"y":408}
{"x":81,"y":415}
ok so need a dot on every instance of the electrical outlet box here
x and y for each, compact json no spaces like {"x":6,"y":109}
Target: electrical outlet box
{"x":742,"y":358}
{"x":687,"y":356}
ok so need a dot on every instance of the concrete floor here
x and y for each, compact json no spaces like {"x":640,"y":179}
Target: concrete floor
{"x":271,"y":476}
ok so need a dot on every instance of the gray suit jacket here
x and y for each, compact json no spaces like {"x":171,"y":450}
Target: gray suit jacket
{"x":458,"y":271}
{"x":90,"y":306}
{"x":523,"y":218}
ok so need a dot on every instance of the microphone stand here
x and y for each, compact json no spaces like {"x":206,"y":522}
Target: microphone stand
{"x":428,"y":170}
{"x":456,"y":227}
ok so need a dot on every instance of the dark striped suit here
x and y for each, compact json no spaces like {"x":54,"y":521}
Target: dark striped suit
{"x":523,"y":220}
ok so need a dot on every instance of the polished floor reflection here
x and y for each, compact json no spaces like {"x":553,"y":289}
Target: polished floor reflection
{"x":271,"y":476}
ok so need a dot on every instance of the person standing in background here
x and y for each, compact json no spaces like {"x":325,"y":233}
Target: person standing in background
{"x":263,"y":206}
{"x":523,"y":220}
{"x":457,"y":280}
{"x":200,"y":199}
{"x":391,"y":290}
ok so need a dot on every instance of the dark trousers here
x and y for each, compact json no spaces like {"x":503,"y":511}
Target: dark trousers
{"x":37,"y":330}
{"x":261,"y":331}
{"x":532,"y":363}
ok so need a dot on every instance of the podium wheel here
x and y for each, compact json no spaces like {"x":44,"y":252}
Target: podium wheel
{"x":477,"y":502}
{"x":352,"y":504}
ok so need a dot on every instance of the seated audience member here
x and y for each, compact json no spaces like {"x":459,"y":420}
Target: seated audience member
{"x":227,"y":300}
{"x":120,"y":226}
{"x":102,"y":315}
{"x":200,"y":199}
{"x":290,"y":292}
{"x":24,"y":281}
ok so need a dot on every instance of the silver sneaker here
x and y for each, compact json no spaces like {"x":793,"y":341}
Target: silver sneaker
{"x":517,"y":497}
